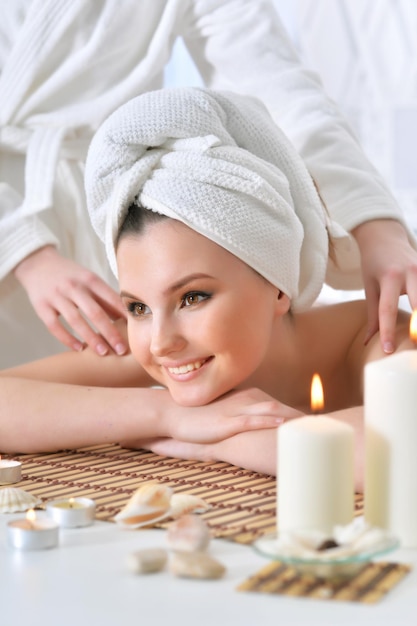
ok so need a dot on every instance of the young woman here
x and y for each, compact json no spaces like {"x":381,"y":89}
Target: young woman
{"x":57,"y":86}
{"x":220,"y":242}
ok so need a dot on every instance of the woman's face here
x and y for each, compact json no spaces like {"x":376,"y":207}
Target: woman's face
{"x":199,"y":319}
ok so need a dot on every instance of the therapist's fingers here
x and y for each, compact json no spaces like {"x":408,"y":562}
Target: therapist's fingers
{"x":412,"y":290}
{"x":372,"y":304}
{"x":391,"y":290}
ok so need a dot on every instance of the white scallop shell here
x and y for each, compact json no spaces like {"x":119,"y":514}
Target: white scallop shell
{"x":150,"y":503}
{"x":13,"y":499}
{"x":184,"y":503}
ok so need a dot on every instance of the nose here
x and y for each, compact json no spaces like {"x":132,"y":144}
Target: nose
{"x":166,"y":337}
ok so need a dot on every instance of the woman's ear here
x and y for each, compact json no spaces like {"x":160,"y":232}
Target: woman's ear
{"x":282,"y":304}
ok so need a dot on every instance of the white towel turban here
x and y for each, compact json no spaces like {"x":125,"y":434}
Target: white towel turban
{"x":217,"y":162}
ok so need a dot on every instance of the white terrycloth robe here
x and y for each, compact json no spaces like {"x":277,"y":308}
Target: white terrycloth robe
{"x":67,"y":64}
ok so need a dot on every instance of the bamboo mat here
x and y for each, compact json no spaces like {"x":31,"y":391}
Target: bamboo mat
{"x":368,"y":586}
{"x":242,"y":503}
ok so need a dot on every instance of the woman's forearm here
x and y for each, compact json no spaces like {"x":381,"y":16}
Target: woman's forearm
{"x":37,"y":416}
{"x":257,"y":451}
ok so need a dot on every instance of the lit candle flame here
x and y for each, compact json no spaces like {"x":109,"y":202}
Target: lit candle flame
{"x":413,"y":327}
{"x":71,"y":502}
{"x":317,"y":396}
{"x":31,"y":515}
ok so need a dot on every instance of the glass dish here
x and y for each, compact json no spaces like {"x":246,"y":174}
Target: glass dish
{"x":323,"y":564}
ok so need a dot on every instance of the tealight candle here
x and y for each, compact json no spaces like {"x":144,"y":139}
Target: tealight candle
{"x":10,"y":471}
{"x":72,"y":512}
{"x":315,"y":477}
{"x":390,"y":491}
{"x":30,"y":533}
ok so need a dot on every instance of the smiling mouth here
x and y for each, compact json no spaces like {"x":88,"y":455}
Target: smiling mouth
{"x":189,"y":367}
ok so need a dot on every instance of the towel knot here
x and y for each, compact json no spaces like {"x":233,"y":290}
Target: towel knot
{"x":217,"y":162}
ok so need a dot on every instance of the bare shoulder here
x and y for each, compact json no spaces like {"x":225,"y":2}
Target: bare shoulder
{"x":403,"y":340}
{"x":338,"y":324}
{"x":346,"y":324}
{"x":337,"y":335}
{"x":84,"y":368}
{"x":339,"y":310}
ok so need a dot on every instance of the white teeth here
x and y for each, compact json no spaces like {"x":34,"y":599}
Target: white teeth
{"x":183,"y":369}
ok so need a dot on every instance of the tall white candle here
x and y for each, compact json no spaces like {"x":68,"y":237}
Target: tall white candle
{"x":390,"y":491}
{"x":315,"y":478}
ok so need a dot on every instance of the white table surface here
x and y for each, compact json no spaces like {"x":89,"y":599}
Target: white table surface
{"x":85,"y":582}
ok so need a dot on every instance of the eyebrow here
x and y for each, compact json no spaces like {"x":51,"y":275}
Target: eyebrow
{"x":180,"y":284}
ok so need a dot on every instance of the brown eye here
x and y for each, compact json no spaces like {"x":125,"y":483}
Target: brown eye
{"x":194,"y":297}
{"x":137,"y":309}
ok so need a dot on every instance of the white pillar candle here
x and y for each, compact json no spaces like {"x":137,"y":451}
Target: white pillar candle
{"x":390,"y":491}
{"x":315,"y":477}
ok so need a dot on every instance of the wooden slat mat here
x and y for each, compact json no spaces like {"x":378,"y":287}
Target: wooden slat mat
{"x":242,"y":502}
{"x":368,"y":586}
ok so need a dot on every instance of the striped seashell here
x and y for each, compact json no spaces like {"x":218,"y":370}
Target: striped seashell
{"x":150,"y":503}
{"x":13,"y":499}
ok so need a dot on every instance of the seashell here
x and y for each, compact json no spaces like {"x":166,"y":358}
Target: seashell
{"x":188,"y":533}
{"x":152,"y":494}
{"x":147,"y":561}
{"x":13,"y":499}
{"x":184,"y":503}
{"x":195,"y":565}
{"x":148,"y":504}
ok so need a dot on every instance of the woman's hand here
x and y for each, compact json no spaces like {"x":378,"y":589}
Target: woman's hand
{"x":389,"y":268}
{"x":233,"y":413}
{"x":252,"y":450}
{"x":239,"y":428}
{"x":60,"y":289}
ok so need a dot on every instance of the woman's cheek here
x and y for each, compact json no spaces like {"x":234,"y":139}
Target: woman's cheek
{"x":137,"y":343}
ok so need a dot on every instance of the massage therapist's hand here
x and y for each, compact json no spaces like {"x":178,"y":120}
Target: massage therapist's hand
{"x":60,"y":288}
{"x":389,"y":268}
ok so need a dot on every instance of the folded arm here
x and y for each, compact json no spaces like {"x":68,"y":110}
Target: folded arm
{"x":256,"y":450}
{"x":74,"y":400}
